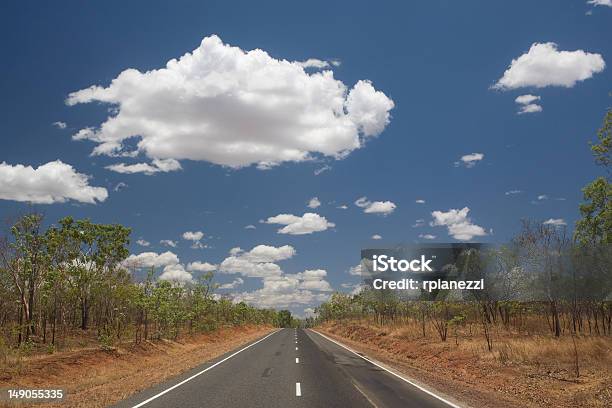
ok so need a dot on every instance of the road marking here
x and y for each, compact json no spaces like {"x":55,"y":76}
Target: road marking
{"x":201,"y":372}
{"x":389,"y":371}
{"x":296,"y":348}
{"x":296,"y":342}
{"x":297,"y":360}
{"x":298,"y":390}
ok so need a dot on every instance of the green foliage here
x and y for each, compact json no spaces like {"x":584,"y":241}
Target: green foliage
{"x":70,"y":276}
{"x":596,"y":223}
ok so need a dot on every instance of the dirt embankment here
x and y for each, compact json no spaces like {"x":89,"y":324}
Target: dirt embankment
{"x":97,"y":378}
{"x":521,"y":371}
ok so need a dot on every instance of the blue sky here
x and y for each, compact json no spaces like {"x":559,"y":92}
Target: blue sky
{"x":436,"y":60}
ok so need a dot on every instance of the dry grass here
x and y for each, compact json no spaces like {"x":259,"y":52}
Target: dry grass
{"x":98,"y":378}
{"x":521,"y":370}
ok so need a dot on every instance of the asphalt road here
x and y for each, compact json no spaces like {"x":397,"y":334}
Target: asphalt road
{"x":288,"y":368}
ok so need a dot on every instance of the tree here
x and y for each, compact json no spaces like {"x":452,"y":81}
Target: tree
{"x":596,"y":223}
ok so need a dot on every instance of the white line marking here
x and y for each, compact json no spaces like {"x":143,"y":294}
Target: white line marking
{"x":297,"y":360}
{"x":389,"y":371}
{"x":296,"y":348}
{"x":298,"y":390}
{"x":201,"y":372}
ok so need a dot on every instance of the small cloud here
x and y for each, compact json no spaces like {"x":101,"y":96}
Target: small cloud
{"x":120,"y":186}
{"x":60,"y":125}
{"x":193,"y":235}
{"x":606,"y":3}
{"x":376,"y":237}
{"x":557,"y":222}
{"x":427,"y":236}
{"x":419,"y":201}
{"x":375,"y":207}
{"x":513,"y":192}
{"x":342,"y":207}
{"x":198,"y":266}
{"x":314,"y":203}
{"x":527,"y":105}
{"x":313,"y":63}
{"x":542,"y":197}
{"x":156,"y":166}
{"x":322,"y":169}
{"x":250,"y":226}
{"x":458,"y":223}
{"x":419,"y":223}
{"x":469,"y":160}
{"x":544,"y":65}
{"x":233,"y":285}
{"x":143,"y":243}
{"x":168,"y":243}
{"x":296,"y":225}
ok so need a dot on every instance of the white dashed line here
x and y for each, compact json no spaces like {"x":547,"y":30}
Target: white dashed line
{"x":298,"y":390}
{"x":296,"y":348}
{"x":297,"y":360}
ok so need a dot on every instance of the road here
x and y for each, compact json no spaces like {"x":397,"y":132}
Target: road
{"x":288,"y":368}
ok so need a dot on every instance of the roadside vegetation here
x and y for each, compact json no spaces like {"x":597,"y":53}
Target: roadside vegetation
{"x":540,"y":333}
{"x":65,"y":287}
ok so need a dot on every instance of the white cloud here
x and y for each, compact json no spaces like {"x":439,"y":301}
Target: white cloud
{"x":375,"y":207}
{"x":356,"y":270}
{"x":193,"y":235}
{"x":143,"y":243}
{"x":419,"y":223}
{"x":120,"y":186}
{"x":527,"y":105}
{"x":427,"y":236}
{"x":513,"y":192}
{"x":469,"y":160}
{"x":295,"y":225}
{"x":266,"y":253}
{"x":557,"y":222}
{"x":53,"y":182}
{"x":250,"y":226}
{"x":151,"y":260}
{"x":168,"y":242}
{"x":258,"y":262}
{"x":458,"y":223}
{"x":201,"y":266}
{"x":60,"y":125}
{"x":542,"y":197}
{"x":607,"y":3}
{"x":526,"y":99}
{"x":313,"y":279}
{"x":376,"y":237}
{"x":234,"y":108}
{"x":420,"y":201}
{"x":233,"y":285}
{"x":245,"y":267}
{"x":314,"y":203}
{"x":322,"y":170}
{"x":313,"y":63}
{"x":176,"y":273}
{"x":304,"y":288}
{"x":342,"y":207}
{"x":158,"y":165}
{"x":531,"y":108}
{"x":543,"y":65}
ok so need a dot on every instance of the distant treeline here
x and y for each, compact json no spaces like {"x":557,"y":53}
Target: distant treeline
{"x":69,"y":279}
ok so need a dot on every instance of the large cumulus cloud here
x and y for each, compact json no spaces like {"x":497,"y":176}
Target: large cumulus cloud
{"x":234,"y":108}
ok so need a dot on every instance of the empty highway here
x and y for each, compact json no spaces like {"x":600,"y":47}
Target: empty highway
{"x":288,"y":368}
